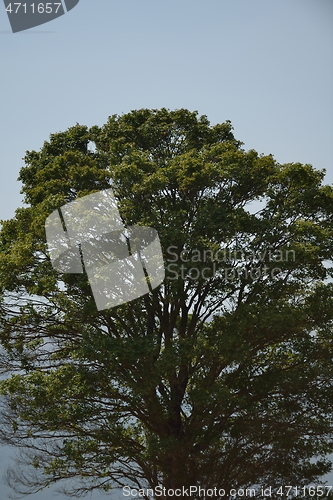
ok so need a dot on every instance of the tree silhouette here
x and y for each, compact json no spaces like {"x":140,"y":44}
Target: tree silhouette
{"x":219,"y":377}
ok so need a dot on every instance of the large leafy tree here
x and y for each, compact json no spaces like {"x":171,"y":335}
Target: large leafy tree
{"x":222,"y":375}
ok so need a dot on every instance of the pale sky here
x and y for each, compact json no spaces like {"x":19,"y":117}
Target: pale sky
{"x":267,"y":65}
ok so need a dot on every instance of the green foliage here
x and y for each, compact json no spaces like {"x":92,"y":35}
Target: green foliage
{"x":223,"y":378}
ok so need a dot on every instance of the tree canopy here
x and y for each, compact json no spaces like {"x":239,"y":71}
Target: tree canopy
{"x":219,"y":377}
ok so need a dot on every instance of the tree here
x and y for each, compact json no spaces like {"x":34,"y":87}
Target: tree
{"x":219,"y":377}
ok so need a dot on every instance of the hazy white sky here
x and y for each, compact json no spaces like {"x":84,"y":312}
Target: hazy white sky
{"x":267,"y":65}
